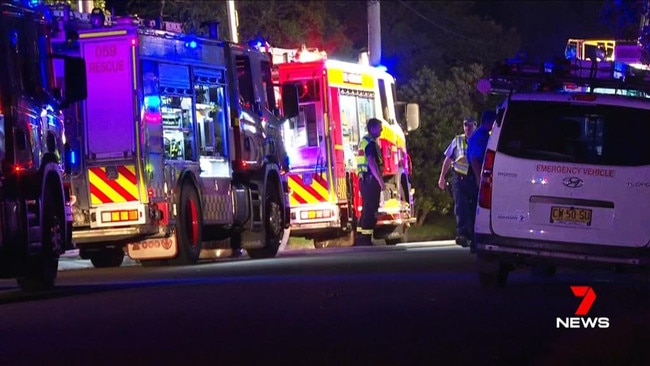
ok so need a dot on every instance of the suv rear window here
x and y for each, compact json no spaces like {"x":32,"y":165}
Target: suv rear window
{"x":582,"y":134}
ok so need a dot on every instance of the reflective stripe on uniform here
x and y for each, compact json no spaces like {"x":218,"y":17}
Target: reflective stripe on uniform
{"x":460,"y":163}
{"x":362,"y":160}
{"x":364,"y":231}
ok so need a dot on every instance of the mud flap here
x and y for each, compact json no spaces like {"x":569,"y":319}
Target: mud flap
{"x":159,"y":248}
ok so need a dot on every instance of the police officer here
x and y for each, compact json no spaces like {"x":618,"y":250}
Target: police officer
{"x":463,"y":183}
{"x":371,"y":183}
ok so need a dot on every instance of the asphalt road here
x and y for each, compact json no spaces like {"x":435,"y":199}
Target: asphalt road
{"x":406,"y":305}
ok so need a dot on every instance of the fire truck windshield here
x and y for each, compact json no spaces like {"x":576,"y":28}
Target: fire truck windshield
{"x":18,"y":40}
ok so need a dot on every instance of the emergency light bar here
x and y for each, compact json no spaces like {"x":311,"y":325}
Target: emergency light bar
{"x":518,"y":76}
{"x":98,"y":18}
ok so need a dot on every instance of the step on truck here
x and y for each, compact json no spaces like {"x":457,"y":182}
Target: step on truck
{"x":34,"y":207}
{"x":177,"y":146}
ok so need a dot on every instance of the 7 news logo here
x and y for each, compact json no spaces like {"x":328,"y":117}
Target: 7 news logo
{"x":581,"y":320}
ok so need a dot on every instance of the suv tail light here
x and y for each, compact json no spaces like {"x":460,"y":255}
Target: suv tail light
{"x":485,"y":188}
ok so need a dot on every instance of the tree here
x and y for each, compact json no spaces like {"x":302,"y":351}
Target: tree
{"x":623,"y":17}
{"x":441,"y":34}
{"x":74,"y":5}
{"x":284,"y":24}
{"x":443,"y":105}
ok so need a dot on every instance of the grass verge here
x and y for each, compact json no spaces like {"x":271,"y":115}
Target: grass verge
{"x":436,"y":228}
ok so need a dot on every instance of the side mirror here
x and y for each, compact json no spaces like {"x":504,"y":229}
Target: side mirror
{"x":74,"y":69}
{"x":412,"y":117}
{"x":290,"y":100}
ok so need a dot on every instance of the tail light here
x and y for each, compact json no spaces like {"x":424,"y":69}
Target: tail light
{"x":485,"y":188}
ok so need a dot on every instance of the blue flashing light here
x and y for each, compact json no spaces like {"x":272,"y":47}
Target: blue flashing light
{"x":382,"y":68}
{"x":259,"y":44}
{"x":191,"y":44}
{"x":73,"y":157}
{"x":152,"y":102}
{"x":548,"y":67}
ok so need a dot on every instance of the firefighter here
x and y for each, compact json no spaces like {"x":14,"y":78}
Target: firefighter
{"x":463,"y":183}
{"x":371,"y":182}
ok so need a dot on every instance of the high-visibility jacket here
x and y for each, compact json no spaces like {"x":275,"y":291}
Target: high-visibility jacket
{"x":362,"y":160}
{"x":460,"y":163}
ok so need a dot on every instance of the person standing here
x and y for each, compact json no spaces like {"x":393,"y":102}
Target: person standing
{"x":371,"y":182}
{"x":463,"y":183}
{"x":477,"y":143}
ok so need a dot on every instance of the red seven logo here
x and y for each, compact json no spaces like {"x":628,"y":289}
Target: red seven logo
{"x":588,"y":297}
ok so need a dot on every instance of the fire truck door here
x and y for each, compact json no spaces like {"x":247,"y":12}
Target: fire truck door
{"x":214,"y":158}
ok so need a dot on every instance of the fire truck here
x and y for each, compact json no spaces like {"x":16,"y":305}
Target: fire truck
{"x":335,"y":100}
{"x":178,"y":144}
{"x":627,"y":51}
{"x":34,"y":207}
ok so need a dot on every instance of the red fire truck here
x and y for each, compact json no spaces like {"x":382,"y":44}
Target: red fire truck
{"x":336,"y":99}
{"x":177,"y":145}
{"x":34,"y":206}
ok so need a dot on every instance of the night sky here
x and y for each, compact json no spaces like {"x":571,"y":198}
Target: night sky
{"x":543,"y":25}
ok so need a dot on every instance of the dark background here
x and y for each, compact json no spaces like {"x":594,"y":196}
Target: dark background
{"x":544,"y":26}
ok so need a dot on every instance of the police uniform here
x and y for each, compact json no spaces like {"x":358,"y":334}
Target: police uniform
{"x":464,"y":190}
{"x":369,"y":188}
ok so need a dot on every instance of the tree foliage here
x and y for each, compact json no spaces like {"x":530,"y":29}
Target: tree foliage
{"x":284,"y":24}
{"x":623,"y":17}
{"x":441,"y":35}
{"x":74,"y":5}
{"x":444,"y":102}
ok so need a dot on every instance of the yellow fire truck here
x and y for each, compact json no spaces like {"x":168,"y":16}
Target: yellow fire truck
{"x":336,"y":100}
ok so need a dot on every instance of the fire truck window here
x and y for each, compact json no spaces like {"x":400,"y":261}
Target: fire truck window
{"x":384,"y":100}
{"x":309,"y":91}
{"x":355,"y":111}
{"x":178,"y":127}
{"x":211,"y":120}
{"x":24,"y":45}
{"x":308,"y":115}
{"x":267,"y":80}
{"x":245,"y":81}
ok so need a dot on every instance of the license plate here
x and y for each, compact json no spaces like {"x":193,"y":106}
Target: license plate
{"x":571,"y":215}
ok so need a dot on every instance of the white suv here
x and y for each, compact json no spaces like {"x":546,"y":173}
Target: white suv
{"x":565,"y":180}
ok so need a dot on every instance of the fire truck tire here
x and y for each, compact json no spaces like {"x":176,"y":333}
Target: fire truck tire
{"x":189,"y":226}
{"x":107,"y":257}
{"x":274,"y":227}
{"x":42,"y":268}
{"x":400,"y":240}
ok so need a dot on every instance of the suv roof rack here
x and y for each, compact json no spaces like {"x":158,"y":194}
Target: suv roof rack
{"x":568,"y":76}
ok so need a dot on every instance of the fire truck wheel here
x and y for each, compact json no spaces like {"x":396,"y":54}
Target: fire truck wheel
{"x":274,"y":227}
{"x":188,"y":227}
{"x":42,"y":267}
{"x":402,"y":238}
{"x":108,"y":257}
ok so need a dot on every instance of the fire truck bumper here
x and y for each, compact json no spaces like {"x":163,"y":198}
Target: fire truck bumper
{"x":394,"y":213}
{"x":107,"y":235}
{"x":385,"y":219}
{"x":306,"y":220}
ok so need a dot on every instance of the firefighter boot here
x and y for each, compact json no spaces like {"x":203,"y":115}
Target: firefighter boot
{"x":362,"y":240}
